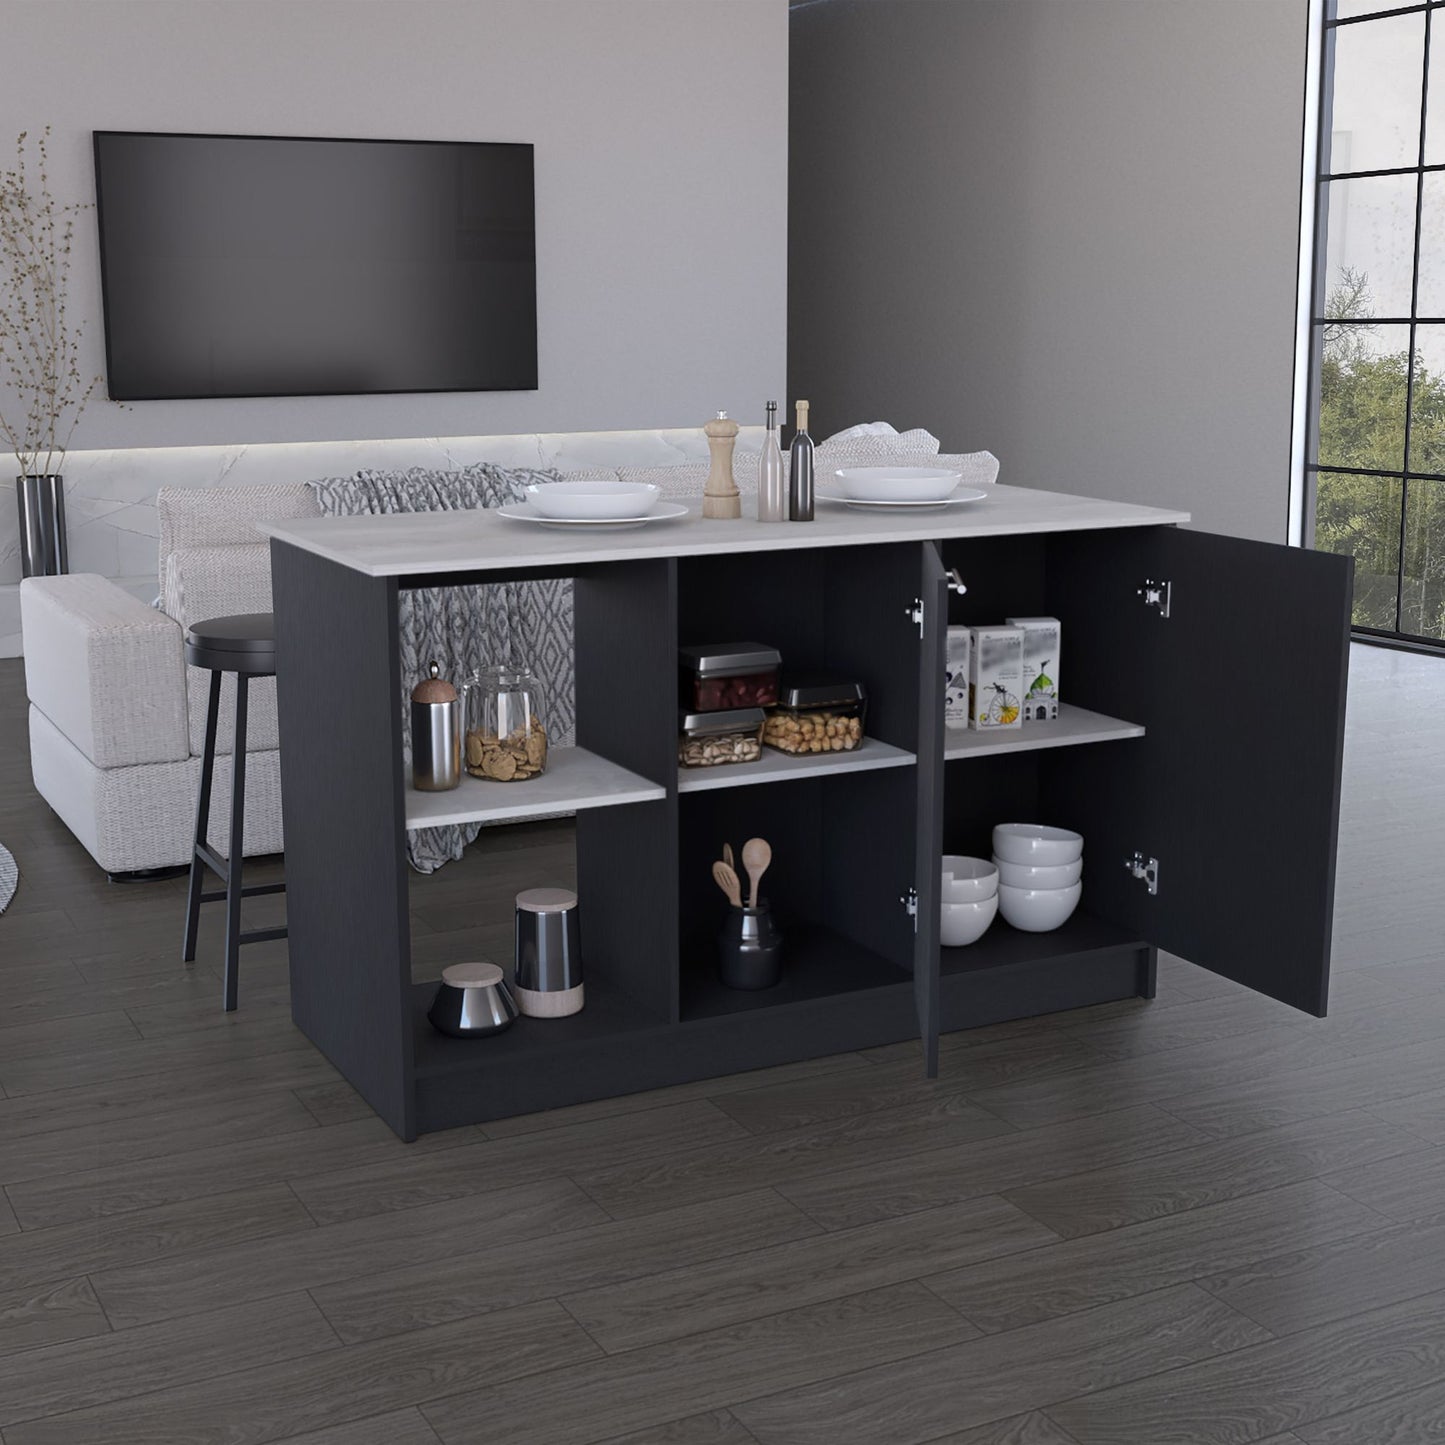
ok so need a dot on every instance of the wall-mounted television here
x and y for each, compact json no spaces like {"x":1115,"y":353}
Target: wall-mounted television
{"x":275,"y":266}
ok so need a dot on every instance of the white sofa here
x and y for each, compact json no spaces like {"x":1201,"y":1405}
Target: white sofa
{"x":116,"y":717}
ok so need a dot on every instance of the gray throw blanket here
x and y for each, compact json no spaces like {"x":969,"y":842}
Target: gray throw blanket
{"x":467,"y":628}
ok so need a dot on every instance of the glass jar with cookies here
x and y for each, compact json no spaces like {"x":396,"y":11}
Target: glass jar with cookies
{"x":506,"y":737}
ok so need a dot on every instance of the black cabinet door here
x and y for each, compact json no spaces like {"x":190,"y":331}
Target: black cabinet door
{"x":1235,"y":789}
{"x":928,"y":850}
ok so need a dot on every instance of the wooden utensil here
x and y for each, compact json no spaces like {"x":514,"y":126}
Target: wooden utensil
{"x":727,"y":880}
{"x":757,"y":855}
{"x":728,"y":856}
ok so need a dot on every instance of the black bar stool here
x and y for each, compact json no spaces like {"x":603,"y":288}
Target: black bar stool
{"x":246,"y":646}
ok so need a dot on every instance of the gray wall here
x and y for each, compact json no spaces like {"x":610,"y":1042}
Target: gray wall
{"x":1063,"y":230}
{"x":660,"y":131}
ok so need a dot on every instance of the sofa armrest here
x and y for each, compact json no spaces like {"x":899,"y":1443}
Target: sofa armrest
{"x":106,"y":669}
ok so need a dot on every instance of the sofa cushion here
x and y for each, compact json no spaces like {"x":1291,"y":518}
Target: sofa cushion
{"x":225,"y":516}
{"x":205,"y":582}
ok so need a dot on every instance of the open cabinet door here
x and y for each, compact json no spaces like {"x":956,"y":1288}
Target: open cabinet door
{"x":933,"y":591}
{"x":1235,"y":789}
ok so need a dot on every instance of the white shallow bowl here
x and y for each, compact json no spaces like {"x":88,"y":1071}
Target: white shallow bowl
{"x":965,"y":923}
{"x":593,"y":501}
{"x":1020,"y":875}
{"x":1035,"y":845}
{"x":968,"y":880}
{"x":896,"y":484}
{"x":1037,"y":910}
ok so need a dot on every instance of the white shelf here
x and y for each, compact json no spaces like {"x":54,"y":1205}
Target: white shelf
{"x":776,"y":767}
{"x":1074,"y":725}
{"x":575,"y":779}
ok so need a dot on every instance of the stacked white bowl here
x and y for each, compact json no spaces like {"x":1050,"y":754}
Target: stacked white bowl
{"x":969,"y":899}
{"x":1039,"y":871}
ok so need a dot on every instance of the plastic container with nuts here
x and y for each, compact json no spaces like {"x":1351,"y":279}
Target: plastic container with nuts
{"x":714,"y":739}
{"x":817,"y":715}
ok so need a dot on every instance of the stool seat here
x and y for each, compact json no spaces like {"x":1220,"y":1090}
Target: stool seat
{"x":245,"y":643}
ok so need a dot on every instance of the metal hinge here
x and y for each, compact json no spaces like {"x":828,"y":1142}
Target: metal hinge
{"x":1157,"y":595}
{"x":955,"y":582}
{"x":1146,"y":869}
{"x":915,"y":614}
{"x":909,"y":901}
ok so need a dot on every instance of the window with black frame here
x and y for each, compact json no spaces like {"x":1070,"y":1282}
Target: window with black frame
{"x":1376,"y":447}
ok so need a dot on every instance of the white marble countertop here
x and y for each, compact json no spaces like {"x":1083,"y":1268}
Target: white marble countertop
{"x":414,"y":543}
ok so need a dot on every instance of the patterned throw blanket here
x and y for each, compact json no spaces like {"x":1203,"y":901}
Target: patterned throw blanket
{"x":467,"y":628}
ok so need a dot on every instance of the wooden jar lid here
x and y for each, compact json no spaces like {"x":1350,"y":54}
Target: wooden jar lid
{"x":546,"y":900}
{"x":480,"y":974}
{"x":434,"y":688}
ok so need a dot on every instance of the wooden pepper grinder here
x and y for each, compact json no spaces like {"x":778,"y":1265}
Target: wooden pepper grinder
{"x":720,"y":497}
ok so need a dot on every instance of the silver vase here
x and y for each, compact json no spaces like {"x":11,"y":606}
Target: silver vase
{"x":41,"y":502}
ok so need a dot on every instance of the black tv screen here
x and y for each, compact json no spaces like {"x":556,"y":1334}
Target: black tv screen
{"x":268,"y":266}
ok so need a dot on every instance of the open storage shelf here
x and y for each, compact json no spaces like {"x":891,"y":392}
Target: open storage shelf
{"x":609,"y":1014}
{"x":820,"y":963}
{"x":575,"y":779}
{"x":1074,"y":725}
{"x":1004,"y":946}
{"x":779,"y":767}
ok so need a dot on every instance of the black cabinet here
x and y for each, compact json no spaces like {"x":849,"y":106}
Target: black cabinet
{"x":1208,"y":740}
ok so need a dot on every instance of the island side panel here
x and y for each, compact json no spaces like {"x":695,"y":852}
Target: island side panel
{"x":338,"y":689}
{"x":625,"y":641}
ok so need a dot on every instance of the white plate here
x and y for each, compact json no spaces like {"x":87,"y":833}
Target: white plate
{"x":525,"y":512}
{"x":963,"y":494}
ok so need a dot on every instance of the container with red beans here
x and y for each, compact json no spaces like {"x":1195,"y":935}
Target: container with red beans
{"x":718,"y":677}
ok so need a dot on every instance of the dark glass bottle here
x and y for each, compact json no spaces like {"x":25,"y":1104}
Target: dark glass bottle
{"x":800,"y":471}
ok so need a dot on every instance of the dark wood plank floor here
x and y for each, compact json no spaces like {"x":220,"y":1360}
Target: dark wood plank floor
{"x":1204,"y":1220}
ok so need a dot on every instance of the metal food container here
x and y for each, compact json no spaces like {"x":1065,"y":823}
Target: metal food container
{"x":548,"y":958}
{"x":436,"y":734}
{"x":719,"y":677}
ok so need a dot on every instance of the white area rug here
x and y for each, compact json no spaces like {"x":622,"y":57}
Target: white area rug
{"x":9,"y":877}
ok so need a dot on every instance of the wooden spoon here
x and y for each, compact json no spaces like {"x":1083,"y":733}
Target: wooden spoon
{"x":728,"y":856}
{"x":727,"y":880}
{"x":757,"y":855}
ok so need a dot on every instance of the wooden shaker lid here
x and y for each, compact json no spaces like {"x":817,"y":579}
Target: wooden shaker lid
{"x":434,"y":688}
{"x":472,"y":975}
{"x":546,"y":900}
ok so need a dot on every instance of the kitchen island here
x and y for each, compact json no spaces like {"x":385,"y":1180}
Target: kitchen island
{"x":1205,"y":681}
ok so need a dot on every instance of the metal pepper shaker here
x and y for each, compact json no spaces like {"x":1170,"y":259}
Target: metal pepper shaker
{"x":436,"y":734}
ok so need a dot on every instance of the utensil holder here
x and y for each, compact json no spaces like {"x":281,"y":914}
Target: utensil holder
{"x":750,"y":948}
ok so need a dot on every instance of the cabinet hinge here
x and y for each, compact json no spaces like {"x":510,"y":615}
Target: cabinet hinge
{"x":909,"y":901}
{"x":1145,"y":869}
{"x":1157,"y":595}
{"x":914,"y":613}
{"x":956,"y":583}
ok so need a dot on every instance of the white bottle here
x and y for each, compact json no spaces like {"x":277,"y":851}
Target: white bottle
{"x":772,"y":496}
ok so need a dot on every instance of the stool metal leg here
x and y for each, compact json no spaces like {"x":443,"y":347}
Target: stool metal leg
{"x":203,"y":815}
{"x":238,"y":831}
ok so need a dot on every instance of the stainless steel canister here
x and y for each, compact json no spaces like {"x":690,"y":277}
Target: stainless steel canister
{"x":548,"y":961}
{"x":436,"y":734}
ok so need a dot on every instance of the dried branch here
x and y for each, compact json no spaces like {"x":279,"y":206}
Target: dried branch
{"x":39,"y":348}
